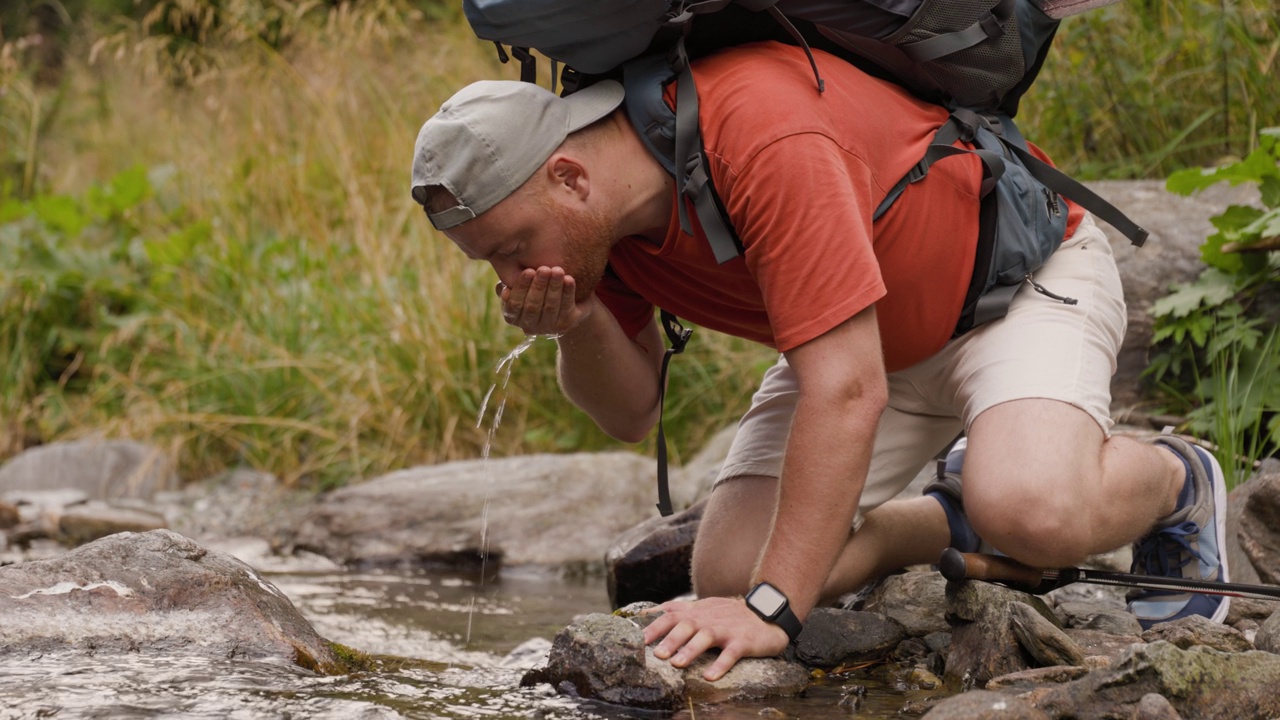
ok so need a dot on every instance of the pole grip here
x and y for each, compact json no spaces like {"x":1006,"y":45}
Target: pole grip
{"x":956,"y":566}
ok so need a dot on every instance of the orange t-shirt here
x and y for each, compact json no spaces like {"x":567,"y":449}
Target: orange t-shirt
{"x":800,"y":173}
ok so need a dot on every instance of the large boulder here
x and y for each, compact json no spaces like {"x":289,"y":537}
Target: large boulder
{"x":1259,"y":526}
{"x":1199,"y":683}
{"x":154,"y":592}
{"x":102,"y":469}
{"x":1178,"y":225}
{"x":536,"y":509}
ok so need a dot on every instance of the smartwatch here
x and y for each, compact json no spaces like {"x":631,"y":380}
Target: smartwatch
{"x":772,"y":606}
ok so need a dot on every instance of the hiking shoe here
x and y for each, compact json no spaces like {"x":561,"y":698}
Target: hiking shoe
{"x":946,"y":490}
{"x":1190,"y":543}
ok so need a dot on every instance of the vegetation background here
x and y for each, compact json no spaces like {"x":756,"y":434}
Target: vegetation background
{"x":206,"y":240}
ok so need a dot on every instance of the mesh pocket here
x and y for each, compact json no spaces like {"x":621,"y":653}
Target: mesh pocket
{"x":978,"y":76}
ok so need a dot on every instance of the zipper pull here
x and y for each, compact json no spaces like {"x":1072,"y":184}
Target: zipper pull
{"x":1048,"y":293}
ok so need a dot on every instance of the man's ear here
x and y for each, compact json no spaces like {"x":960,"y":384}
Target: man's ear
{"x":567,"y":174}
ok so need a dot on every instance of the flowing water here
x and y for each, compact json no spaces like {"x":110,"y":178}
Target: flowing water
{"x":417,"y":624}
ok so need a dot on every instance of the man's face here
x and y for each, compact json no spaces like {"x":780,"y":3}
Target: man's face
{"x":529,"y":230}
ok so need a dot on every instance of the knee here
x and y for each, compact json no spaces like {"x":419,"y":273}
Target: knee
{"x":1043,"y":525}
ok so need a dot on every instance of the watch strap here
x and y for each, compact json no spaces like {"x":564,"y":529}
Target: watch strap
{"x":783,"y":618}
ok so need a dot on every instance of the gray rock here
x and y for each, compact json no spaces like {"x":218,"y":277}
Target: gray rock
{"x":1043,"y":640}
{"x":1249,"y":608}
{"x":1200,"y":683}
{"x":604,"y":657}
{"x":95,"y":519}
{"x":234,"y":504}
{"x":103,"y":469}
{"x":1199,"y":630}
{"x":750,"y":678}
{"x":537,"y":509}
{"x":1099,"y":643}
{"x":915,"y":599}
{"x":152,"y":592}
{"x":985,"y":705}
{"x":1268,"y":637}
{"x":1154,"y":706}
{"x":652,"y":560}
{"x":984,"y":644}
{"x":1095,"y":616}
{"x":1036,"y":677}
{"x":833,"y":637}
{"x":1259,"y":533}
{"x":1239,"y":562}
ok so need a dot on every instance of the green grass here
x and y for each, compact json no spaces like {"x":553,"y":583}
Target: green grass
{"x":206,"y":240}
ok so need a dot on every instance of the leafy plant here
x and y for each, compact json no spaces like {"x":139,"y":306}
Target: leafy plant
{"x":1217,"y":336}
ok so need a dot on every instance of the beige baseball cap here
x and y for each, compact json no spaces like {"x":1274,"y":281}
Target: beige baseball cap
{"x":492,"y":135}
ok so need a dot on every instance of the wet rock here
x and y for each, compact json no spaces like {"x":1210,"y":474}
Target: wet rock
{"x":95,"y":519}
{"x":103,"y":469}
{"x":152,"y":592}
{"x":651,"y":561}
{"x":985,"y":705}
{"x":983,"y":644}
{"x":1042,"y":639}
{"x":1103,"y":617}
{"x":751,"y":678}
{"x":1260,"y":523}
{"x":916,"y":599}
{"x":1199,"y":630}
{"x":536,"y":509}
{"x":604,"y":657}
{"x":1199,"y":683}
{"x":833,"y":637}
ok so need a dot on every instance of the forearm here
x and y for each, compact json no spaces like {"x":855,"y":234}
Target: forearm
{"x":825,"y":470}
{"x":611,"y":377}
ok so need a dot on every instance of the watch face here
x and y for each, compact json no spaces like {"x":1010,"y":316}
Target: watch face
{"x":766,"y":599}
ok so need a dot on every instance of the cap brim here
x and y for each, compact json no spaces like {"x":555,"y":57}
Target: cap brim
{"x":592,"y":103}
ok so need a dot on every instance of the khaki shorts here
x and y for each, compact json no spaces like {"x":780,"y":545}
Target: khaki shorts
{"x":1042,"y":349}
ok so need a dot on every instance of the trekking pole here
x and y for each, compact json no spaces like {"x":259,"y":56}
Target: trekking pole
{"x":957,"y":566}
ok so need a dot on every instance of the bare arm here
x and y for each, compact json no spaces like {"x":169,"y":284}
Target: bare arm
{"x":605,"y":373}
{"x":842,"y":394}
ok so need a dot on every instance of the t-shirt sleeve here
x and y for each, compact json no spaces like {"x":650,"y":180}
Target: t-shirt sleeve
{"x":632,"y":312}
{"x":802,"y":207}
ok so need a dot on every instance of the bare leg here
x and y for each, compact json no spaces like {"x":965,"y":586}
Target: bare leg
{"x":736,"y":524}
{"x":1042,"y":484}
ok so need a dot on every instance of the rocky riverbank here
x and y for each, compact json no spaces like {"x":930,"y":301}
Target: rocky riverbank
{"x":105,"y":549}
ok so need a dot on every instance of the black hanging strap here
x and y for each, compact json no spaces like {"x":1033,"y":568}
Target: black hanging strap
{"x":679,"y":336}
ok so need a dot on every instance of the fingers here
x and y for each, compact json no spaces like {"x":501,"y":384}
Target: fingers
{"x":540,"y":302}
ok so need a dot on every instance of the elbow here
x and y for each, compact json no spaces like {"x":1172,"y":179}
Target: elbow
{"x":630,"y":429}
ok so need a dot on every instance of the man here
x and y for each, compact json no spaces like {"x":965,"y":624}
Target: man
{"x":580,"y":224}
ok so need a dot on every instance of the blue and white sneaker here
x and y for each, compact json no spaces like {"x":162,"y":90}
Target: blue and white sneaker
{"x":946,"y":490}
{"x":1190,"y":543}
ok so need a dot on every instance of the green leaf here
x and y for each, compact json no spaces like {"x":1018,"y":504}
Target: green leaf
{"x":1212,"y":288}
{"x":60,"y":213}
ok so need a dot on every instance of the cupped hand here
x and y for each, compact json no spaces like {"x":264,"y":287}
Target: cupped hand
{"x":689,"y":629}
{"x":541,"y":302}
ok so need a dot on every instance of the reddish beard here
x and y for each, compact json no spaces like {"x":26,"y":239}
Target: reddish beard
{"x":588,"y":236}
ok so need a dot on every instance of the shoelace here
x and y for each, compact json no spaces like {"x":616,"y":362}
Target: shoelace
{"x":1163,"y":551}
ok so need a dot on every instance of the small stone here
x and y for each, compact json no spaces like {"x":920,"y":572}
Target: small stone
{"x":1154,"y":706}
{"x":1196,"y":630}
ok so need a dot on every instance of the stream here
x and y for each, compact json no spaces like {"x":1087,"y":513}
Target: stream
{"x":418,"y":625}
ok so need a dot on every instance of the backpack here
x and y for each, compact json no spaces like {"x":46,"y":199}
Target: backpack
{"x":974,"y":57}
